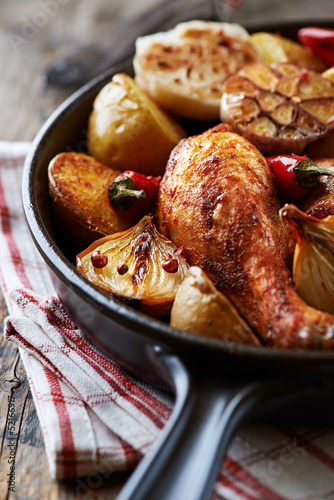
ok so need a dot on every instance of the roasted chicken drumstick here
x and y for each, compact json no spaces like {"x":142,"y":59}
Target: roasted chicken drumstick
{"x":218,"y":200}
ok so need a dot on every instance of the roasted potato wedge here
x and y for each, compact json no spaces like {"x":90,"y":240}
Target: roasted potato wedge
{"x":128,"y":131}
{"x":280,"y":108}
{"x":184,"y":68}
{"x":276,"y":48}
{"x":201,"y":309}
{"x":78,"y":184}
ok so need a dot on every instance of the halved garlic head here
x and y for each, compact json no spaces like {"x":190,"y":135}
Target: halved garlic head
{"x":313,"y":263}
{"x":138,"y":264}
{"x":199,"y":308}
{"x":280,"y":107}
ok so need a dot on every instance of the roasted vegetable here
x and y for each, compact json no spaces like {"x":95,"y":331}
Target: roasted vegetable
{"x":313,"y":264}
{"x":323,"y":147}
{"x":139,"y":265}
{"x":320,"y":41}
{"x":133,"y":194}
{"x":127,"y":129}
{"x":200,"y":309}
{"x":320,"y":201}
{"x":295,"y":175}
{"x":77,"y":184}
{"x":280,"y":108}
{"x":184,"y":68}
{"x":276,"y":48}
{"x":329,"y":73}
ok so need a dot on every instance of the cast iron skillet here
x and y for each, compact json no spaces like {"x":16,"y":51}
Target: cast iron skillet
{"x":216,"y":384}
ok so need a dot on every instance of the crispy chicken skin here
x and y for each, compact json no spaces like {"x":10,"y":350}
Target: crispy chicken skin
{"x":217,"y":199}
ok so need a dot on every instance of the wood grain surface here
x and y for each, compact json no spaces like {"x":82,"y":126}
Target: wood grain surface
{"x":33,"y":33}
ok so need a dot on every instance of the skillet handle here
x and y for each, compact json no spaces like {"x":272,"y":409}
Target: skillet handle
{"x":187,"y":459}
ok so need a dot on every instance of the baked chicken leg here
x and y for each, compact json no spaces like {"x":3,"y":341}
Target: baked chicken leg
{"x":218,"y":200}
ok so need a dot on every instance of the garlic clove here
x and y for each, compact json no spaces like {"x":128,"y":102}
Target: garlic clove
{"x":313,"y":263}
{"x":140,"y":264}
{"x":199,"y":308}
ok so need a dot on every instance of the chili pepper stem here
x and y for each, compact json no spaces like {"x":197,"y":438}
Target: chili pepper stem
{"x":307,"y":173}
{"x":123,"y":193}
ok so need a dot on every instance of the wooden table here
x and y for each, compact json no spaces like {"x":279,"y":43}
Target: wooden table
{"x":32,"y":34}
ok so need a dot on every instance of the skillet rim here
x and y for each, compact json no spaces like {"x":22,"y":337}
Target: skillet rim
{"x":138,"y":322}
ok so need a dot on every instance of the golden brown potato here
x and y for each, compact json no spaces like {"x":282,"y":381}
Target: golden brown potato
{"x":276,"y":48}
{"x":78,"y":184}
{"x":201,"y":309}
{"x":128,"y":131}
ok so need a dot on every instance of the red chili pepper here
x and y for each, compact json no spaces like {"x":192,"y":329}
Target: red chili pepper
{"x":295,"y":175}
{"x":320,"y":41}
{"x":133,"y":194}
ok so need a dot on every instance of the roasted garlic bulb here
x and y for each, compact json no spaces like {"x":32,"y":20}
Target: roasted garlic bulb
{"x":138,"y":264}
{"x":313,"y":264}
{"x":280,"y":108}
{"x":199,"y":308}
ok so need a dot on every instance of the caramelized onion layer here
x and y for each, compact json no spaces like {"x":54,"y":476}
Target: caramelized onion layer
{"x":136,"y":267}
{"x":313,"y":265}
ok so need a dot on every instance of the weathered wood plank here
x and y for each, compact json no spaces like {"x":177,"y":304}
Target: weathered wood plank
{"x":34,"y":33}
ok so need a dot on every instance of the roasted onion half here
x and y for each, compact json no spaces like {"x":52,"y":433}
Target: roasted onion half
{"x":313,"y":263}
{"x":138,"y":265}
{"x":280,"y":108}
